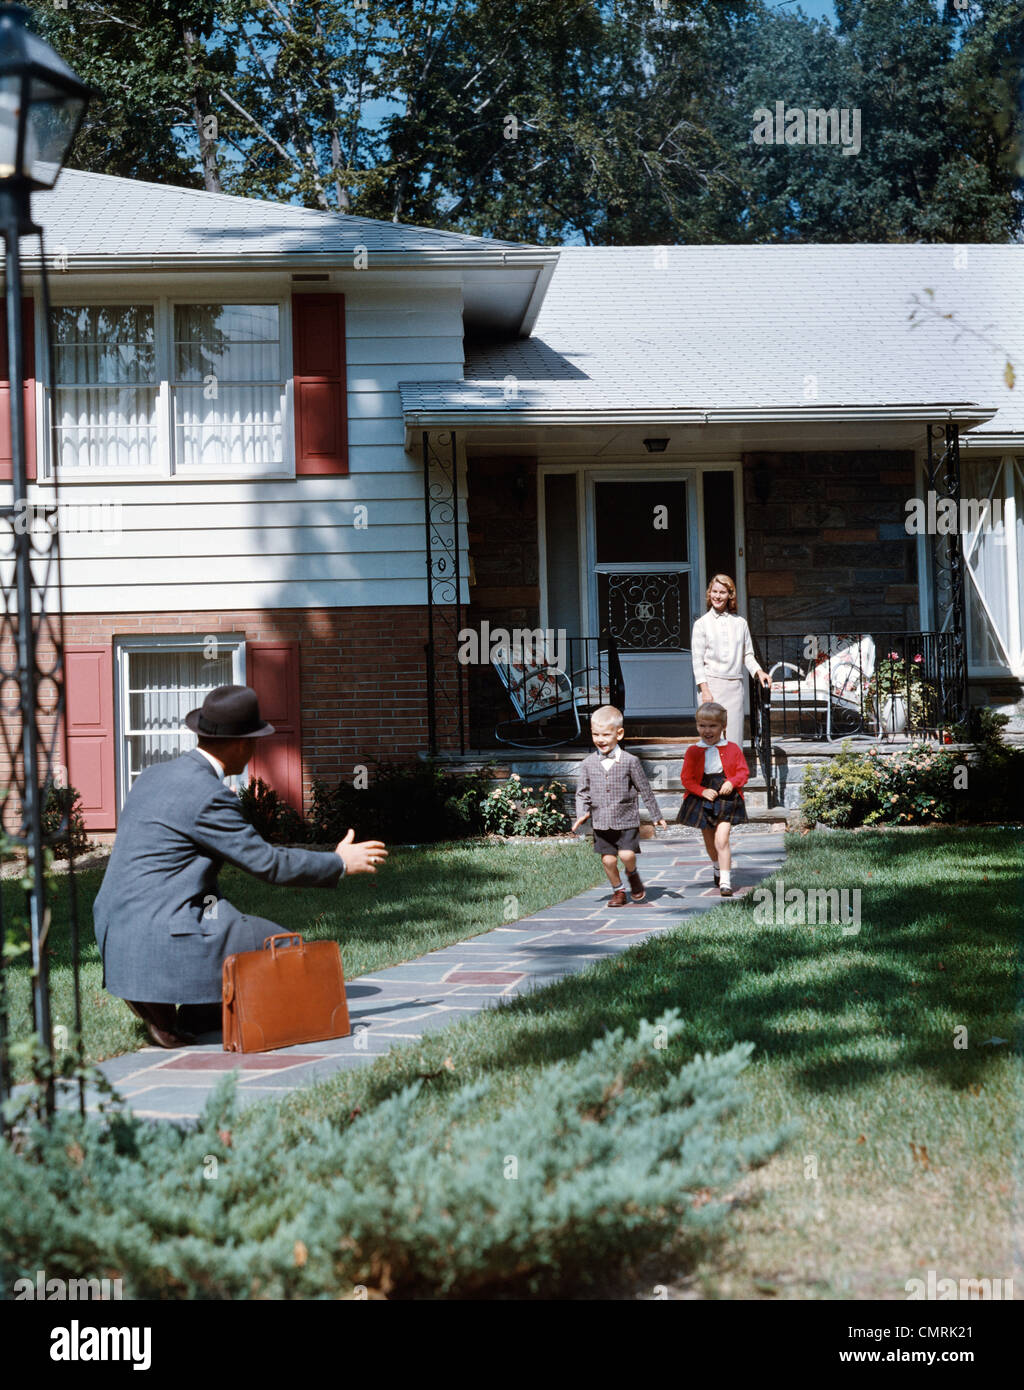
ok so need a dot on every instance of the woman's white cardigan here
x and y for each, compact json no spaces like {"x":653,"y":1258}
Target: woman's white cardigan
{"x":721,"y":646}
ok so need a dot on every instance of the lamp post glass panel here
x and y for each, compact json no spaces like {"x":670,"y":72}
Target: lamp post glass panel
{"x":42,"y":104}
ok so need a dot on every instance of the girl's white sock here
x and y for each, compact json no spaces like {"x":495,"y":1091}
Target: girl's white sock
{"x":726,"y":878}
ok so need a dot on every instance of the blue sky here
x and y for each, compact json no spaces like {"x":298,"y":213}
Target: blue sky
{"x":813,"y":9}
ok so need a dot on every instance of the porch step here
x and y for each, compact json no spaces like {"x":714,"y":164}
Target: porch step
{"x":662,"y":763}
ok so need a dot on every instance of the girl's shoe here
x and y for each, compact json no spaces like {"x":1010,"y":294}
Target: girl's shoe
{"x":725,"y":892}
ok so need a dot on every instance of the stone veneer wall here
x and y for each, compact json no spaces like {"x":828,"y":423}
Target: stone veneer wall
{"x":828,"y":550}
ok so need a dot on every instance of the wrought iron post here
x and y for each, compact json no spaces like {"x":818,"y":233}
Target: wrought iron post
{"x":44,"y":104}
{"x":946,"y":563}
{"x":444,"y":575}
{"x":22,"y":622}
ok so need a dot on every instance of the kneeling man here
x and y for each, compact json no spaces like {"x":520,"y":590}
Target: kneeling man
{"x":162,"y":926}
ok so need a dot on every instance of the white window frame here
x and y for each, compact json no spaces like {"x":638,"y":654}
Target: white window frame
{"x":171,"y":382}
{"x":163,"y":314}
{"x":45,"y":451}
{"x":163,"y":642}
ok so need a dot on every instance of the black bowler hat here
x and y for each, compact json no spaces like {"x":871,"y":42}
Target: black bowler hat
{"x":230,"y":711}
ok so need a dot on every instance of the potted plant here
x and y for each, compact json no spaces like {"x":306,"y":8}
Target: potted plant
{"x":901,"y":694}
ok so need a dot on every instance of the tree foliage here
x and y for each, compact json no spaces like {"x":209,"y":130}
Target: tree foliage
{"x":602,"y":121}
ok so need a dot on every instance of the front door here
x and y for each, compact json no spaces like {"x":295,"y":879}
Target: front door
{"x":642,"y":552}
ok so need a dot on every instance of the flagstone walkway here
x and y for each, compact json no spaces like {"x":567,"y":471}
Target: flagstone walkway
{"x":397,"y":1006}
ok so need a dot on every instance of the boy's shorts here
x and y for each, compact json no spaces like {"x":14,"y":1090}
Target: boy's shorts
{"x":615,"y":841}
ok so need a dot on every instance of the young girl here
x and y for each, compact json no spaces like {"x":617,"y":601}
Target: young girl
{"x":713,"y":772}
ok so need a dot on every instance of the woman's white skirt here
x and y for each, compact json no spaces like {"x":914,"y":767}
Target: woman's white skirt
{"x":730,"y":694}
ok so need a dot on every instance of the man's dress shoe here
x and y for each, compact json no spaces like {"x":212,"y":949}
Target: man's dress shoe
{"x":161,"y":1024}
{"x":199,"y":1018}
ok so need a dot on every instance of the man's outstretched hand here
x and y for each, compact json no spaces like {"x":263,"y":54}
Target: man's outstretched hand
{"x":361,"y":858}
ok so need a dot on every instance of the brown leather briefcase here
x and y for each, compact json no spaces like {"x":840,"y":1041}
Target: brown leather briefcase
{"x":293,"y":991}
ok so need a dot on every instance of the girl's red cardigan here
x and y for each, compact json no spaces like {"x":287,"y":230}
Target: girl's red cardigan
{"x":734,"y":766}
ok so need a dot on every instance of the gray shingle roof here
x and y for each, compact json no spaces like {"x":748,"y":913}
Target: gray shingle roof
{"x":99,"y":215}
{"x":748,"y":327}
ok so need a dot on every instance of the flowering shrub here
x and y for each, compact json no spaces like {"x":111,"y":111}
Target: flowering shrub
{"x":516,"y":809}
{"x":915,"y":787}
{"x":901,"y":677}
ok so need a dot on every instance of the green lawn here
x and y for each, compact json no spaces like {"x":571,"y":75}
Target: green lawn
{"x":421,"y":900}
{"x":907,"y":1144}
{"x":911,"y":1139}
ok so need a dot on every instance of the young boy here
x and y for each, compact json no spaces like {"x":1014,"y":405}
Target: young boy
{"x":609,"y":781}
{"x":714,"y":770}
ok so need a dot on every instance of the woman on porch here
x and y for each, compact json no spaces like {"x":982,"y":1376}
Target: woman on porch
{"x":721,"y":648}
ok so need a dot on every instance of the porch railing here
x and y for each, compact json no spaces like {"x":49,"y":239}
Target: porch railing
{"x":761,"y":738}
{"x":839,"y":685}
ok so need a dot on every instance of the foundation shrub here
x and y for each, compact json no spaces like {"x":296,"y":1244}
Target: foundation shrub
{"x":614,"y":1156}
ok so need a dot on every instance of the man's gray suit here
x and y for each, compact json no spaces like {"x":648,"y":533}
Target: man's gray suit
{"x":163,"y":928}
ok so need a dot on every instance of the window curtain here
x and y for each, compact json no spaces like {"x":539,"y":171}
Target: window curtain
{"x":105,"y":390}
{"x":163,"y":686}
{"x":228,"y":388}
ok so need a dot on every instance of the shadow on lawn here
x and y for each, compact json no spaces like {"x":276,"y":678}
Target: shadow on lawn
{"x":841,"y":1010}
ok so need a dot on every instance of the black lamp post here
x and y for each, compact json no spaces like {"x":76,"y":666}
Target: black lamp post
{"x":42,"y":104}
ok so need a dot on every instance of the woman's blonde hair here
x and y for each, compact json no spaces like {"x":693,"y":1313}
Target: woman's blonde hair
{"x":726,"y":583}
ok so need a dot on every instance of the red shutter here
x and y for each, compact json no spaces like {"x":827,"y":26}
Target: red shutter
{"x":89,"y":690}
{"x":272,"y":670}
{"x":321,"y":385}
{"x":28,"y":329}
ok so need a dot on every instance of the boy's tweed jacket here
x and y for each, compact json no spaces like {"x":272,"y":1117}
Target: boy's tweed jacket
{"x":610,"y":795}
{"x":162,"y":926}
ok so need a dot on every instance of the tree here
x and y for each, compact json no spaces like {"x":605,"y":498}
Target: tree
{"x":938,"y":123}
{"x":149,"y":61}
{"x":605,"y":121}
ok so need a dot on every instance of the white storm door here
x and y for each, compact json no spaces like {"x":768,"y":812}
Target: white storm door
{"x":643,"y":548}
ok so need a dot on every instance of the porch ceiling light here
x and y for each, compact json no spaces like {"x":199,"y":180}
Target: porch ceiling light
{"x":42,"y":104}
{"x":655,"y":446}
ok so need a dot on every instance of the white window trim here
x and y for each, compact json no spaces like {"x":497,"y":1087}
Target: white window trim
{"x":164,"y":641}
{"x":163,"y":308}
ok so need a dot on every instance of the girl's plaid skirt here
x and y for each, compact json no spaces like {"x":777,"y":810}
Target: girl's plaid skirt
{"x":699,"y":814}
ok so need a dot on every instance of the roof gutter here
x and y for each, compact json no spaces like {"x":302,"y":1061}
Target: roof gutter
{"x":982,"y":440}
{"x":961,"y":413}
{"x":535,"y":259}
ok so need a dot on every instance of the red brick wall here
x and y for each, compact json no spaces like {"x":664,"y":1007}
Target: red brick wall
{"x":363,"y":687}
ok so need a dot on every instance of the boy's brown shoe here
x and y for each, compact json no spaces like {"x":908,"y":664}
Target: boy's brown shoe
{"x":637,"y":891}
{"x":617,"y":899}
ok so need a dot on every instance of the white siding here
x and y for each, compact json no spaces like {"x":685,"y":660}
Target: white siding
{"x":282,"y":543}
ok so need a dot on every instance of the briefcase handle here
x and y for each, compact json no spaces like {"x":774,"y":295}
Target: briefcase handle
{"x":283,"y":936}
